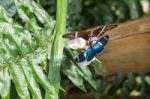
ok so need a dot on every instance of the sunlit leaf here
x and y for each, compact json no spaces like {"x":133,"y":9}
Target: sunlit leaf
{"x":147,"y":79}
{"x":72,"y":72}
{"x":5,"y":84}
{"x":31,"y":82}
{"x":17,"y":76}
{"x":25,"y":53}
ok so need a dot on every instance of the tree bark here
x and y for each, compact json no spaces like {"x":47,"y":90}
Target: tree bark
{"x":129,"y":47}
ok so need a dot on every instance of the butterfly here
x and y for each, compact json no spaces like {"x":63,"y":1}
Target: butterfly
{"x":91,"y":40}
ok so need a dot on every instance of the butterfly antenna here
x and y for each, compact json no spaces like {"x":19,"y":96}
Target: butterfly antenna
{"x":102,"y":32}
{"x":91,"y":34}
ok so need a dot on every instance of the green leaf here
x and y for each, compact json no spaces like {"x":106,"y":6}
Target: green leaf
{"x":17,"y":76}
{"x":73,"y":73}
{"x":9,"y":6}
{"x":30,"y":79}
{"x":42,"y":78}
{"x":4,"y":16}
{"x":87,"y":75}
{"x":131,"y":83}
{"x":98,"y":65}
{"x":126,"y":92}
{"x":84,"y":70}
{"x":116,"y":84}
{"x":25,"y":53}
{"x":33,"y":12}
{"x":5,"y":84}
{"x":147,"y":79}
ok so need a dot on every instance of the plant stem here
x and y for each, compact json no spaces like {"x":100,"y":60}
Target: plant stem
{"x":57,"y":45}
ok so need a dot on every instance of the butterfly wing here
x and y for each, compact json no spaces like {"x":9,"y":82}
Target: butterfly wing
{"x":90,"y":54}
{"x":77,"y":43}
{"x":85,"y":34}
{"x":94,"y":50}
{"x":87,"y":55}
{"x":81,"y":57}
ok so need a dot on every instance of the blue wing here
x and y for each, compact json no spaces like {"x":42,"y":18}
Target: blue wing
{"x":90,"y":53}
{"x":81,"y":57}
{"x":96,"y":49}
{"x":87,"y":55}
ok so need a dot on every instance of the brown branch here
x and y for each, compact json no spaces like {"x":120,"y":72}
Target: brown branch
{"x":129,"y":47}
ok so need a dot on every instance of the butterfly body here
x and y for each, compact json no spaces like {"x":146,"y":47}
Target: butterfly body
{"x":91,"y":52}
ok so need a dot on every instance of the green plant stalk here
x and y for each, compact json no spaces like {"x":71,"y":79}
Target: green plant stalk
{"x":57,"y":44}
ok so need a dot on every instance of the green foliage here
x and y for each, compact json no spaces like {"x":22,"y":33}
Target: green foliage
{"x":23,"y":53}
{"x":83,"y":70}
{"x":9,"y":6}
{"x":90,"y":13}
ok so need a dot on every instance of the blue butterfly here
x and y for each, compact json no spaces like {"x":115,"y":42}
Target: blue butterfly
{"x":89,"y":41}
{"x":92,"y":51}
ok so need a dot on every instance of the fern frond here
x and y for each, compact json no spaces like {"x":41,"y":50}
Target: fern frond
{"x":23,"y":52}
